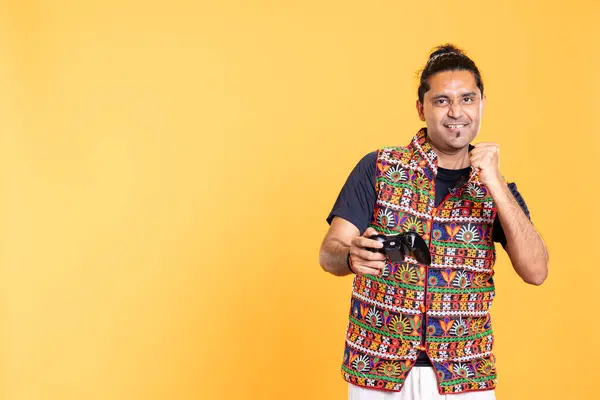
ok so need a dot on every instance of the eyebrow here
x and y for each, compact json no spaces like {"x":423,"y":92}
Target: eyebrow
{"x":444,"y":96}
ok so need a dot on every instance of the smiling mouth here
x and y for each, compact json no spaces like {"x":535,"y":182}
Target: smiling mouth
{"x":455,"y":126}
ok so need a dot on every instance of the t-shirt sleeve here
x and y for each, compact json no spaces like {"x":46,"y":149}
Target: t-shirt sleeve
{"x":498,"y":232}
{"x":356,"y":200}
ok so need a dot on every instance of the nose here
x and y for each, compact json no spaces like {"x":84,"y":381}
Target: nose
{"x":455,"y":110}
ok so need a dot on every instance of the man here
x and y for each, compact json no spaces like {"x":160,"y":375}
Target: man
{"x":423,"y":331}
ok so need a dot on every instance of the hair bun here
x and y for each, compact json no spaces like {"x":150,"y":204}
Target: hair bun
{"x":445,"y":49}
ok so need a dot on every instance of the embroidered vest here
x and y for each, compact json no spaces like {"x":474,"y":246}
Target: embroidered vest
{"x":450,"y":299}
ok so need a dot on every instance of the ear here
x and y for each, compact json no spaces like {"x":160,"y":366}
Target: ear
{"x":420,"y":111}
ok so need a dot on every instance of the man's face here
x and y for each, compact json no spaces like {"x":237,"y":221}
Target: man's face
{"x":452,"y":110}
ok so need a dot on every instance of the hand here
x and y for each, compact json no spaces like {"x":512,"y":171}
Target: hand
{"x":363,"y":261}
{"x":485,"y":157}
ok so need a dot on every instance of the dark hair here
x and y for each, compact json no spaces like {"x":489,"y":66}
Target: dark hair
{"x":447,"y":58}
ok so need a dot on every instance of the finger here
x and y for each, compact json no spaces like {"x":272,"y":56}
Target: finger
{"x":366,"y":270}
{"x":477,"y":152}
{"x":480,"y":157}
{"x":357,"y":260}
{"x":476,"y":164}
{"x":485,"y":144}
{"x":480,"y":164}
{"x":485,"y":158}
{"x":378,"y":265}
{"x":370,"y":232}
{"x":476,"y":160}
{"x":486,"y":150}
{"x":375,"y":264}
{"x":366,"y":254}
{"x":368,"y":243}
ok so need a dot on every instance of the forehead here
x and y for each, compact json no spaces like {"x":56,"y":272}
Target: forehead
{"x":452,"y":82}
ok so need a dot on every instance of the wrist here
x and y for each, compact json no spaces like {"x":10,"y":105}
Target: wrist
{"x":349,"y":262}
{"x":499,"y":192}
{"x":496,"y":186}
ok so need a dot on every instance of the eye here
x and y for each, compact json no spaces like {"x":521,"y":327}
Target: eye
{"x":441,"y":102}
{"x":468,"y":100}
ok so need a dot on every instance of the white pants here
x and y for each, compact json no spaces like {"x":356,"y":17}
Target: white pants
{"x":420,"y":384}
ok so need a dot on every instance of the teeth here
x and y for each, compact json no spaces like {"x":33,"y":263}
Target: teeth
{"x":455,"y":126}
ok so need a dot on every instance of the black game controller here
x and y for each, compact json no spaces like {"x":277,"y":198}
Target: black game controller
{"x":396,"y":247}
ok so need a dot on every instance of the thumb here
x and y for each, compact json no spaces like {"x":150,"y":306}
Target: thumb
{"x":370,"y":232}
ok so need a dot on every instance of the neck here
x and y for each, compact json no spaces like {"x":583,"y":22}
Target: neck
{"x":453,"y":159}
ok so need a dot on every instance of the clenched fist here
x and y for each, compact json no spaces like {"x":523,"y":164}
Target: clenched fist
{"x":363,"y":261}
{"x":485,"y":157}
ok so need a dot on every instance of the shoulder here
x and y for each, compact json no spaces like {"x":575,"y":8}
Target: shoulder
{"x":395,"y":152}
{"x":370,"y":158}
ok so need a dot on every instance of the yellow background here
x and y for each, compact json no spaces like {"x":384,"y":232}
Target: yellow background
{"x":167,"y":167}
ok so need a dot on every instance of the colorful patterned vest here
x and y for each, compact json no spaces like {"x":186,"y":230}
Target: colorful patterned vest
{"x":450,"y":299}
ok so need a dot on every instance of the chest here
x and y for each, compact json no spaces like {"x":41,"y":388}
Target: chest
{"x":411,"y":198}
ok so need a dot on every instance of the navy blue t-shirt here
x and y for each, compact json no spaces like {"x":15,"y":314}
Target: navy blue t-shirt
{"x":356,"y":203}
